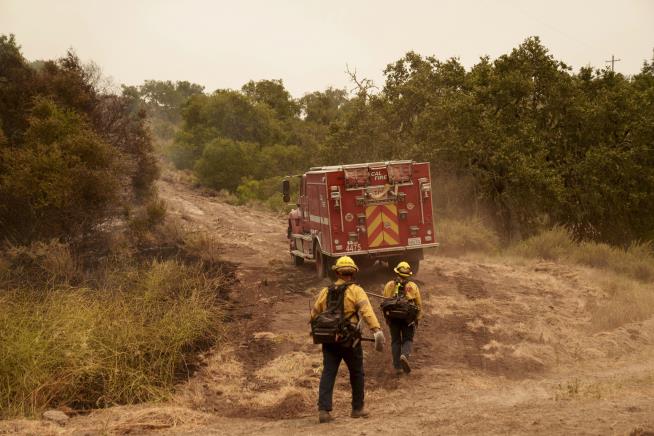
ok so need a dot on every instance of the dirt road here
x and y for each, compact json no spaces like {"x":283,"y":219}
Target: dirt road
{"x":506,"y":347}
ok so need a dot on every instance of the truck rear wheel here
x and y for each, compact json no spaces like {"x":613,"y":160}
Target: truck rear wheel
{"x":324,"y":265}
{"x":415,"y":266}
{"x":297,"y":260}
{"x":392,"y":262}
{"x":321,"y":269}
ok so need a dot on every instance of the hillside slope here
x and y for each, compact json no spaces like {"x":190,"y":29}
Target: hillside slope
{"x":507,"y":346}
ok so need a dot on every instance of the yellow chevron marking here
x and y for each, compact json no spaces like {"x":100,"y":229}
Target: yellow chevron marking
{"x":378,"y":240}
{"x":389,"y":240}
{"x":374,"y":224}
{"x":387,"y":219}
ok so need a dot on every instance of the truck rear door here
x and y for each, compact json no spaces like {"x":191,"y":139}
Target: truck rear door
{"x":383,"y":226}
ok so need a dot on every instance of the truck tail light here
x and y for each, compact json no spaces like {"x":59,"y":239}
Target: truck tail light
{"x":352,"y":237}
{"x":399,"y":172}
{"x":356,"y":177}
{"x":403,"y":214}
{"x":336,"y":196}
{"x":361,"y":219}
{"x":414,"y":230}
{"x":425,"y":188}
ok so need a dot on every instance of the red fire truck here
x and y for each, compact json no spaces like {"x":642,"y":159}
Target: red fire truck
{"x":369,"y":211}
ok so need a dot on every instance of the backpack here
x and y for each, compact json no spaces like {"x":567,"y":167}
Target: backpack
{"x":399,"y":307}
{"x":331,"y":326}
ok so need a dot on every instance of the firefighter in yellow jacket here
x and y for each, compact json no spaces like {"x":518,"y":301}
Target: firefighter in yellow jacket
{"x":402,"y":330}
{"x":355,"y":303}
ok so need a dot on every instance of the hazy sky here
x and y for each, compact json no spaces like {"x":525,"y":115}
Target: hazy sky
{"x":223,"y":44}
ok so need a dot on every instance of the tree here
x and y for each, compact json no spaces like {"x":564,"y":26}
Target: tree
{"x":61,"y":181}
{"x":165,"y":99}
{"x":70,"y":154}
{"x":16,"y":87}
{"x":273,"y":94}
{"x":323,"y":107}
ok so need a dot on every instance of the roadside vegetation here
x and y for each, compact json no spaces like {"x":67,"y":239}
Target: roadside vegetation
{"x":103,"y":299}
{"x":636,"y":261}
{"x":123,"y":333}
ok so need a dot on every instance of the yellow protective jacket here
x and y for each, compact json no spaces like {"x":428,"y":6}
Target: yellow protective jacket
{"x":355,"y":300}
{"x":411,"y":290}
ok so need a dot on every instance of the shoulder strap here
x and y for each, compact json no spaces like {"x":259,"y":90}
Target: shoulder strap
{"x":336,"y":299}
{"x":400,"y":286}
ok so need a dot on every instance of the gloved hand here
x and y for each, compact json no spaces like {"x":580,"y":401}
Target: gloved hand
{"x":380,"y":340}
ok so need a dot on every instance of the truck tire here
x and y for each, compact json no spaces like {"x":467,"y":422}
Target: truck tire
{"x":415,"y":266}
{"x":297,"y":260}
{"x":321,"y":270}
{"x":329,"y":263}
{"x":392,"y":262}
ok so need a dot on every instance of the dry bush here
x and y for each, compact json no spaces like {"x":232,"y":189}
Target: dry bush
{"x":628,"y":301}
{"x":39,"y":265}
{"x":553,"y":244}
{"x":637,"y":261}
{"x":463,"y":236}
{"x":125,"y":335}
{"x":146,"y":217}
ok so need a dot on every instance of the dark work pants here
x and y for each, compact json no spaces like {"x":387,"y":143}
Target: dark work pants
{"x":332,"y":355}
{"x":401,"y":339}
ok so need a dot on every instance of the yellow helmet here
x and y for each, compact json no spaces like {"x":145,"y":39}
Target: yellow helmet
{"x":403,"y":269}
{"x":345,"y":264}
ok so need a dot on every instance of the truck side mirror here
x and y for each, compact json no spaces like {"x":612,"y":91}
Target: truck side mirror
{"x":286,"y":190}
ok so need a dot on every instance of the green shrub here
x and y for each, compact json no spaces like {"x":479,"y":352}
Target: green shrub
{"x":267,"y":192}
{"x":182,"y":154}
{"x":249,"y":190}
{"x":224,"y":163}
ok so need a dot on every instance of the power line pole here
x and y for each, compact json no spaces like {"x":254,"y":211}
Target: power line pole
{"x":613,"y":61}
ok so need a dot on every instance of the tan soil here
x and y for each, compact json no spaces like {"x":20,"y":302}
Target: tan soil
{"x":506,"y":347}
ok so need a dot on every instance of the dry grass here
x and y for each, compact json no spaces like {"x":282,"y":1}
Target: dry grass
{"x":624,"y":274}
{"x":637,"y":261}
{"x":627,"y":301}
{"x":458,"y":237}
{"x":122,"y":335}
{"x":287,"y":368}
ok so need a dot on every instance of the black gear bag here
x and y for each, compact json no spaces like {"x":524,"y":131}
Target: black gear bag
{"x":399,"y":307}
{"x":331,"y":326}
